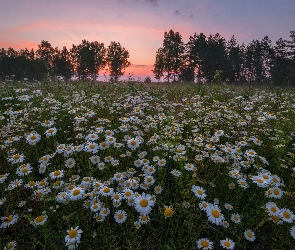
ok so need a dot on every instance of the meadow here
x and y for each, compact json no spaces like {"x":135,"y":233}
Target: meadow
{"x":87,"y":165}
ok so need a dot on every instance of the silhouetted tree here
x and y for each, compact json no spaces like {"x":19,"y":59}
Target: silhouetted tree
{"x":117,"y":60}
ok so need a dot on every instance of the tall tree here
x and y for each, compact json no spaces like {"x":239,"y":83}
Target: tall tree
{"x":159,"y":64}
{"x":62,"y":63}
{"x":46,"y":53}
{"x":173,"y":49}
{"x":117,"y":60}
{"x":90,"y":57}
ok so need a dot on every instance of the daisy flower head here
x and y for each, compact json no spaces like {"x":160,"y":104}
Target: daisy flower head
{"x":99,"y":217}
{"x":275,"y":192}
{"x":133,"y":143}
{"x":73,"y":236}
{"x":76,"y":193}
{"x":10,"y":245}
{"x":236,"y":218}
{"x":158,"y":189}
{"x":120,"y":216}
{"x":189,"y":167}
{"x":203,"y":205}
{"x":40,"y":220}
{"x":144,"y":203}
{"x":199,"y":192}
{"x":214,"y":214}
{"x":175,"y":172}
{"x":24,"y":169}
{"x":287,"y":215}
{"x":33,"y":138}
{"x":249,"y":235}
{"x":204,"y":244}
{"x":16,"y":158}
{"x":272,"y":208}
{"x":47,"y":123}
{"x":50,"y":132}
{"x":227,"y":244}
{"x":70,"y":163}
{"x":9,"y":220}
{"x":56,"y":174}
{"x":168,"y":211}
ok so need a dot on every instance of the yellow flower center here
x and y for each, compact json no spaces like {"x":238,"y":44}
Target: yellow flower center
{"x":9,"y":218}
{"x":25,"y":170}
{"x":16,"y":157}
{"x":106,"y":190}
{"x":204,"y":244}
{"x":249,"y":235}
{"x":133,"y":143}
{"x":73,"y":233}
{"x":56,"y":173}
{"x":116,"y":196}
{"x":215,"y":213}
{"x":50,"y":130}
{"x":260,"y":181}
{"x":120,"y":216}
{"x":39,"y":218}
{"x":273,"y":209}
{"x":144,"y":203}
{"x":33,"y":137}
{"x":168,"y":212}
{"x":92,"y":146}
{"x":276,"y":192}
{"x":10,"y":245}
{"x":227,"y":244}
{"x":287,"y":215}
{"x":70,"y":163}
{"x":76,"y":192}
{"x":275,"y":218}
{"x":200,"y":192}
{"x":47,"y":122}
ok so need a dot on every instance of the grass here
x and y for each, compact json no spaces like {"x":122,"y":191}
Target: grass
{"x":234,"y":143}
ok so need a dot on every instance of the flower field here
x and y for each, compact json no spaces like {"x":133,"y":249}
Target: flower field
{"x":156,"y":166}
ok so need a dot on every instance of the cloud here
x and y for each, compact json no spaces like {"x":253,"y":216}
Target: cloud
{"x":177,"y":12}
{"x":152,"y":2}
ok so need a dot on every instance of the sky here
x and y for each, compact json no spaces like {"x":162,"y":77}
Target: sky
{"x":139,"y":25}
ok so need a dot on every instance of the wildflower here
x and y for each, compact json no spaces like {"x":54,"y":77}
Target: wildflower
{"x":76,"y":193}
{"x":16,"y":158}
{"x":275,"y":192}
{"x":242,"y":183}
{"x":272,"y":208}
{"x":144,"y":203}
{"x":228,"y":206}
{"x":158,"y":189}
{"x":227,"y":243}
{"x":168,"y":211}
{"x":175,"y":172}
{"x":2,"y":200}
{"x":104,"y":211}
{"x":199,"y":192}
{"x":73,"y":236}
{"x":33,"y":138}
{"x":24,"y":169}
{"x":286,"y":215}
{"x":133,"y":143}
{"x":9,"y":220}
{"x":214,"y":214}
{"x":144,"y":219}
{"x":14,"y":184}
{"x":3,"y":177}
{"x":249,"y":235}
{"x":205,"y":244}
{"x":40,"y":220}
{"x":47,"y":123}
{"x":99,"y":217}
{"x":50,"y":132}
{"x":10,"y":245}
{"x":189,"y":167}
{"x":70,"y":163}
{"x":57,"y":174}
{"x":137,"y":224}
{"x":120,"y":216}
{"x":236,"y":218}
{"x":162,"y":162}
{"x":203,"y":205}
{"x":106,"y":191}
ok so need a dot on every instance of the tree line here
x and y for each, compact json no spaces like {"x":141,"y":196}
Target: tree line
{"x":85,"y":59}
{"x":203,"y":57}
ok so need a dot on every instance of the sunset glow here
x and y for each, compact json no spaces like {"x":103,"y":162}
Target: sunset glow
{"x":139,"y":25}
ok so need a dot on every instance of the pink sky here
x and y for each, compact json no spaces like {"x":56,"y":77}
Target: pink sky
{"x":139,"y":25}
